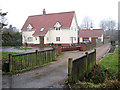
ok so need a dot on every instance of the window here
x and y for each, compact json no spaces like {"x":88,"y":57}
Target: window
{"x":47,"y":39}
{"x":36,"y":38}
{"x":41,"y":29}
{"x":29,"y":27}
{"x":57,"y":28}
{"x":29,"y":39}
{"x":74,"y":38}
{"x":57,"y":38}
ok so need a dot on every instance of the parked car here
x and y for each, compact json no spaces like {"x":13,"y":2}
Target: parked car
{"x":86,"y":41}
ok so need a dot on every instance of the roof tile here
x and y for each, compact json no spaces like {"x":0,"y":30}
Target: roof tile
{"x":91,"y":33}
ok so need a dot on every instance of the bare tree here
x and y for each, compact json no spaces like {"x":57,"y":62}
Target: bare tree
{"x":108,"y":24}
{"x":87,"y":23}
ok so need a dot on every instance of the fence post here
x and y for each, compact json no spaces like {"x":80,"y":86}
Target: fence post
{"x":95,"y":57}
{"x":69,"y":69}
{"x":36,"y":56}
{"x":86,"y":63}
{"x":10,"y":57}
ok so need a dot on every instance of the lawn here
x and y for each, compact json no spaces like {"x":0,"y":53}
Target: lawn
{"x":5,"y":46}
{"x":25,"y":48}
{"x":110,"y":61}
{"x":5,"y":54}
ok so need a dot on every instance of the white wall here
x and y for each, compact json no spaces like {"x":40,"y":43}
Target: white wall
{"x":64,"y":35}
{"x":26,"y":34}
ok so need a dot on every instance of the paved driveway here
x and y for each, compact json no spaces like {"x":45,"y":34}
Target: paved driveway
{"x":49,"y":76}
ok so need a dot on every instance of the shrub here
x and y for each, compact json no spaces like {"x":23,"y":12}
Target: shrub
{"x":97,"y":75}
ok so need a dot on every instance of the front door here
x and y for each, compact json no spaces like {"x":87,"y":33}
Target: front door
{"x":41,"y":40}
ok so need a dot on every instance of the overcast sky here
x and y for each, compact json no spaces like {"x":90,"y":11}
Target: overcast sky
{"x":19,"y":10}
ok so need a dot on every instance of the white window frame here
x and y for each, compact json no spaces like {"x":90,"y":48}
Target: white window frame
{"x":57,"y":38}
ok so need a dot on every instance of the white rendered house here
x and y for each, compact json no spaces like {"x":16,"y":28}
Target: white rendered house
{"x":57,"y":28}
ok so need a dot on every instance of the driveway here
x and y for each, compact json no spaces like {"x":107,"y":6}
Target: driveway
{"x":51,"y":76}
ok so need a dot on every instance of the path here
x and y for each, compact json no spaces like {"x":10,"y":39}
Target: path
{"x":49,"y":76}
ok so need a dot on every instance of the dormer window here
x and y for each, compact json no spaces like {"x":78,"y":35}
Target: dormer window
{"x":29,"y":27}
{"x":57,"y":26}
{"x":41,"y":29}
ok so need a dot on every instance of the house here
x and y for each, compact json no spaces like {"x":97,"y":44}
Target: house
{"x":92,"y":35}
{"x":57,"y":28}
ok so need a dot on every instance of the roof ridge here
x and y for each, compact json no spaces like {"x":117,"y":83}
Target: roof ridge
{"x":52,"y":13}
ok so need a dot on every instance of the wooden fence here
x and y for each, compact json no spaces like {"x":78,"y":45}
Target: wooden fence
{"x":28,"y":60}
{"x":70,"y":48}
{"x":80,"y":67}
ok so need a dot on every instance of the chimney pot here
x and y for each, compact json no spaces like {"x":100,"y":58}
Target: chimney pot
{"x":44,"y":12}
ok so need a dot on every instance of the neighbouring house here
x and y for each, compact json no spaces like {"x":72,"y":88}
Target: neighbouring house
{"x":56,"y":28}
{"x":93,"y":35}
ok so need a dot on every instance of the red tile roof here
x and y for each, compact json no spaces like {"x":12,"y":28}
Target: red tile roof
{"x":48,"y":21}
{"x":91,"y":33}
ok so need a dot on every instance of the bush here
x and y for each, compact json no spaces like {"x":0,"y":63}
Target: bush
{"x":97,"y":75}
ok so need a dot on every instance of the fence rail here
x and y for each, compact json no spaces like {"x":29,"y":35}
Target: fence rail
{"x":80,"y":67}
{"x":28,"y":60}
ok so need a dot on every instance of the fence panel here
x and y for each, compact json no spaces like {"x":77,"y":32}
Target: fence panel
{"x":80,"y":67}
{"x":27,"y":60}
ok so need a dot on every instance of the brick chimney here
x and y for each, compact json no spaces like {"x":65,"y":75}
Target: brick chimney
{"x":44,"y":12}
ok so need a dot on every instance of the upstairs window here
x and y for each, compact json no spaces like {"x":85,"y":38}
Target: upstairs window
{"x":29,"y":27}
{"x":57,"y":26}
{"x":41,"y":29}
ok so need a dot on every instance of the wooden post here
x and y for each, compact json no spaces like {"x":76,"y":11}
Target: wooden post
{"x":69,"y":69}
{"x":36,"y":56}
{"x":86,"y":63}
{"x":95,"y":57}
{"x":54,"y":54}
{"x":10,"y":58}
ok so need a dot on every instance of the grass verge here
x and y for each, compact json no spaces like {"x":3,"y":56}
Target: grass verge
{"x":5,"y":54}
{"x":104,"y":75}
{"x":110,"y":61}
{"x":25,"y":48}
